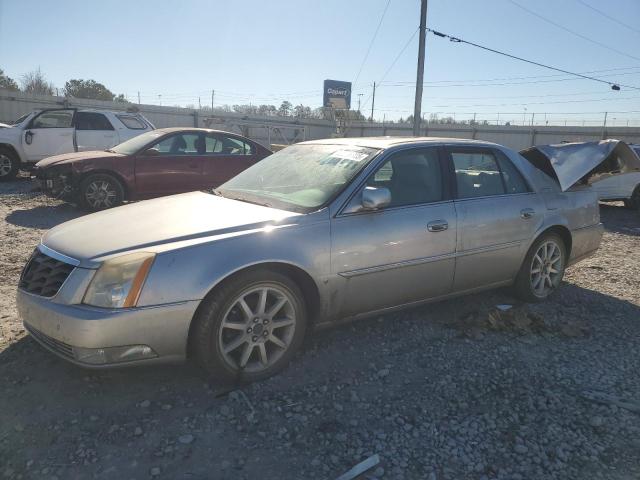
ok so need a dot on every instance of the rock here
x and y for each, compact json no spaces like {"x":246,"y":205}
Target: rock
{"x":145,"y":404}
{"x":378,"y":472}
{"x":155,"y":471}
{"x":137,"y":432}
{"x":596,"y":421}
{"x":186,"y":439}
{"x":225,"y":410}
{"x":383,"y":373}
{"x":225,"y":464}
{"x":521,"y":449}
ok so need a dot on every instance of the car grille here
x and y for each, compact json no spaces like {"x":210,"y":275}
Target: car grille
{"x":56,"y":345}
{"x":44,"y":275}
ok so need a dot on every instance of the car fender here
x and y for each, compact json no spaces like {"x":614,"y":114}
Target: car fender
{"x":10,"y":138}
{"x":191,"y":272}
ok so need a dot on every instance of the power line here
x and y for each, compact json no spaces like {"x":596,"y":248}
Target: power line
{"x":614,"y":86}
{"x":562,"y":27}
{"x":394,"y":62}
{"x":536,"y":103}
{"x":619,"y":22}
{"x":528,"y":76}
{"x":375,"y":34}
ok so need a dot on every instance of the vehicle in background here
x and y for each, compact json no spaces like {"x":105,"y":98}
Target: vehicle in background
{"x":615,"y":172}
{"x":156,"y":163}
{"x":43,"y":133}
{"x":316,"y":233}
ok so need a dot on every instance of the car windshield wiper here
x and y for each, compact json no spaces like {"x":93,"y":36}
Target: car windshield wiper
{"x":110,"y":150}
{"x":246,"y":200}
{"x":216,"y":192}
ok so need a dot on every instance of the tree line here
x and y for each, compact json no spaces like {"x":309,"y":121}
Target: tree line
{"x":36,"y":83}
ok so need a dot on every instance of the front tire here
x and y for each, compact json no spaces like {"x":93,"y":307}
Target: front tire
{"x":100,"y":191}
{"x":542,"y":270}
{"x":9,"y":165}
{"x":249,"y":328}
{"x":633,"y":203}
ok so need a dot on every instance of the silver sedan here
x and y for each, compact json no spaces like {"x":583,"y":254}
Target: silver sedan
{"x":321,"y":231}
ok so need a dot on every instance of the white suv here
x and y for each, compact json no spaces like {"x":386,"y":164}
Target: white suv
{"x":44,"y":133}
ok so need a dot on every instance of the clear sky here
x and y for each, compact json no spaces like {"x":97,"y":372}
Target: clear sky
{"x":268,"y":51}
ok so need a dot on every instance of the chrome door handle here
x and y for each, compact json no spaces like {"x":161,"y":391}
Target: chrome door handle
{"x":437,"y":226}
{"x":527,"y":213}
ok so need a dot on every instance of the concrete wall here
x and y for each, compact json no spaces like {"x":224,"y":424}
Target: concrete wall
{"x":284,"y":130}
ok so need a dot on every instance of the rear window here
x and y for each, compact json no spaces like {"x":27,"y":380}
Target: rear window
{"x":133,"y":123}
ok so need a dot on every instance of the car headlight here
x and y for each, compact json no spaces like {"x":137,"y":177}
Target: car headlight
{"x":119,"y":281}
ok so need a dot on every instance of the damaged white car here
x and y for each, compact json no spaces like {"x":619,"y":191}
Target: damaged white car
{"x":614,"y":167}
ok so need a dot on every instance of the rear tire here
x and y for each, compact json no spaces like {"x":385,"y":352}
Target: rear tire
{"x":633,"y":203}
{"x":250,"y":327}
{"x":100,"y":191}
{"x":9,"y":164}
{"x":542,"y":269}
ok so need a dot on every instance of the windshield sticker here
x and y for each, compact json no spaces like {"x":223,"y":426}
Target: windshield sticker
{"x":350,"y":155}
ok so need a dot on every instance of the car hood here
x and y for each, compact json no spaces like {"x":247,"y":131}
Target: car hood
{"x":570,"y":163}
{"x":160,"y":224}
{"x":74,"y":157}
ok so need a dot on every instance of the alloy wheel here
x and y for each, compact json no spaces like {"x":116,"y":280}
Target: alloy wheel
{"x":5,"y":165}
{"x":546,"y":268}
{"x":101,"y":194}
{"x":258,"y":328}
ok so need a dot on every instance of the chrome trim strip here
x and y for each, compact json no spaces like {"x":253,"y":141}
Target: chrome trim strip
{"x":490,"y":248}
{"x":391,"y":266}
{"x":423,"y":260}
{"x":58,"y":256}
{"x":585,"y":227}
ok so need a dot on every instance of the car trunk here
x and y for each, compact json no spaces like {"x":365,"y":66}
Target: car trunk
{"x":582,"y":163}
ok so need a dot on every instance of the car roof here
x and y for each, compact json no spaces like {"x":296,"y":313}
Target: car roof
{"x":195,"y":129}
{"x":386,"y":142}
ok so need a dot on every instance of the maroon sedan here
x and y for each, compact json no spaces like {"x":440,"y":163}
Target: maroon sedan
{"x":156,"y":163}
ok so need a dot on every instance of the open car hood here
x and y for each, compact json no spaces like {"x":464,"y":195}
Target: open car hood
{"x":583,"y":162}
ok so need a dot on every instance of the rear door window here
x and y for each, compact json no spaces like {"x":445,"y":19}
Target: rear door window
{"x":92,"y":121}
{"x":224,"y":145}
{"x":513,"y":179}
{"x":477,"y":173}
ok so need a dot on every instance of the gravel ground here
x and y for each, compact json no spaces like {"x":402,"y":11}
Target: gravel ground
{"x":453,"y":390}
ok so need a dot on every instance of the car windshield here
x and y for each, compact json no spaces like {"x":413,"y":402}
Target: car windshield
{"x":136,"y":143}
{"x":18,"y":121}
{"x":300,"y":178}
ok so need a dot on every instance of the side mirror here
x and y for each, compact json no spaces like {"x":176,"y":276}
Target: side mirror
{"x":151,"y":152}
{"x":375,"y":198}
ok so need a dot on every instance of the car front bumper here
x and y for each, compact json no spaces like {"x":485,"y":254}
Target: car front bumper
{"x":56,"y":182}
{"x":89,"y":336}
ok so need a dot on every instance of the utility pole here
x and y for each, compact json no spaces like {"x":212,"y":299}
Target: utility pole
{"x":373,"y":101}
{"x":359,"y":97}
{"x":604,"y":126}
{"x":420,"y":76}
{"x":160,"y":98}
{"x":213,"y":92}
{"x":138,"y":97}
{"x":199,"y":104}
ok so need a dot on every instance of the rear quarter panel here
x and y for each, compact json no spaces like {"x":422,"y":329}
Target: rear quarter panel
{"x":576,"y":209}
